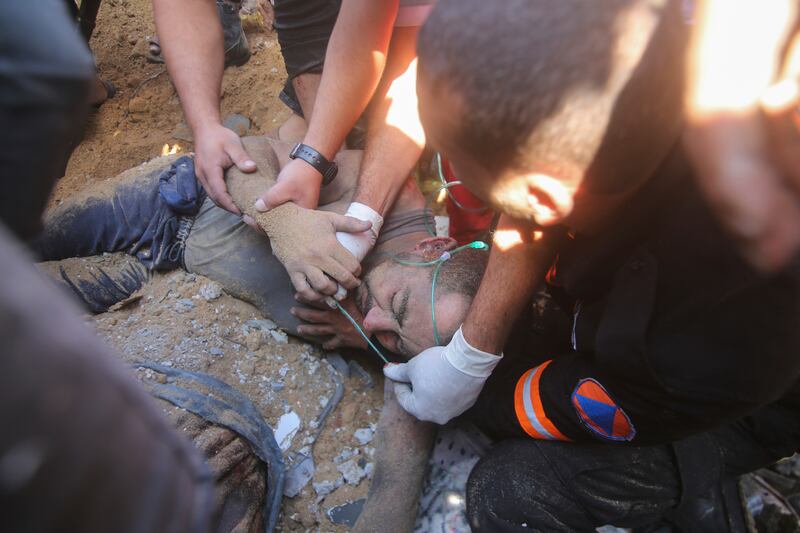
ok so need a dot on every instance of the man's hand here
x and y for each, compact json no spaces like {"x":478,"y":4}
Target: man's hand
{"x":304,"y":240}
{"x":216,"y":149}
{"x":324,"y":321}
{"x":298,"y":182}
{"x":442,"y":382}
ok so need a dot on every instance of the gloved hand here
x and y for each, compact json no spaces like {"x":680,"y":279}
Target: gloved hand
{"x":442,"y":382}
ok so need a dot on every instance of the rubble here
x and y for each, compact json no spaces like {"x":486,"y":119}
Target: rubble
{"x":288,"y":426}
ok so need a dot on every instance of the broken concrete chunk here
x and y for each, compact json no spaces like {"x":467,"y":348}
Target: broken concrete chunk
{"x":279,"y":336}
{"x":264,"y":324}
{"x":239,"y":124}
{"x":215,"y":351}
{"x":352,"y":472}
{"x":298,"y":475}
{"x":183,"y":305}
{"x":346,"y":514}
{"x":288,"y":426}
{"x":211,"y":291}
{"x":363,"y":435}
{"x":323,"y":488}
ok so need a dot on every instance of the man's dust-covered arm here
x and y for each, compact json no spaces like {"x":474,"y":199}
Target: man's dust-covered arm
{"x":313,"y":269}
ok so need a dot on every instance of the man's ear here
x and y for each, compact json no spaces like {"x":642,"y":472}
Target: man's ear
{"x":433,"y":247}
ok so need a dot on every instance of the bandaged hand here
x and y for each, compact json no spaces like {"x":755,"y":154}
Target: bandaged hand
{"x":331,"y":323}
{"x":304,"y":240}
{"x":359,"y":244}
{"x":442,"y":382}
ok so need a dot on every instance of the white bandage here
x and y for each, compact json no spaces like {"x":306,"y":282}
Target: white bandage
{"x":359,"y":244}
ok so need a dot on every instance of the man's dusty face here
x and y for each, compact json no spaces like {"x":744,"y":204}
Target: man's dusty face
{"x":396,"y":303}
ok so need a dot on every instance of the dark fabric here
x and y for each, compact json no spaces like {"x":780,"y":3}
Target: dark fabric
{"x":141,"y":217}
{"x":45,"y":71}
{"x":678,"y":329}
{"x":304,"y":28}
{"x":555,"y":486}
{"x":83,"y":447}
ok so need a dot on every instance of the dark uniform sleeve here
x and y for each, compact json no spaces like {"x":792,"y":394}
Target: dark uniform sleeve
{"x":707,"y":354}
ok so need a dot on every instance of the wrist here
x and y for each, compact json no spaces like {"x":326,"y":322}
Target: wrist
{"x":205,"y":126}
{"x":469,"y":359}
{"x":481,"y":339}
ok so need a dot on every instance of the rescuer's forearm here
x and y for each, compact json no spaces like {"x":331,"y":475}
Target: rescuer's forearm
{"x":191,"y":39}
{"x":512,"y":276}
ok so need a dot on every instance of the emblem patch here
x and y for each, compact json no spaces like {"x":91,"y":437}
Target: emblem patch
{"x":600,"y":413}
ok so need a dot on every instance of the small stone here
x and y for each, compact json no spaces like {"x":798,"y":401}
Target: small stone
{"x":264,"y":324}
{"x":352,"y":473}
{"x":239,"y":124}
{"x":363,"y":436}
{"x":323,"y":488}
{"x":253,"y":341}
{"x":277,"y":386}
{"x":280,"y":336}
{"x":215,"y":351}
{"x":183,"y":132}
{"x":210,"y":291}
{"x":183,"y":305}
{"x":138,"y":104}
{"x":346,"y":514}
{"x":298,"y":476}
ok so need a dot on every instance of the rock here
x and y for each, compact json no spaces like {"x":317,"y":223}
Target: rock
{"x":323,"y":488}
{"x":239,"y":124}
{"x":280,"y":336}
{"x":139,"y":105}
{"x":215,"y":351}
{"x":210,"y":291}
{"x":363,"y":436}
{"x":141,"y":47}
{"x":288,"y":426}
{"x":345,"y":454}
{"x":277,"y":386}
{"x":264,"y":324}
{"x":298,"y":475}
{"x":183,"y":133}
{"x":346,"y":514}
{"x":352,"y":473}
{"x":183,"y":305}
{"x":254,"y":341}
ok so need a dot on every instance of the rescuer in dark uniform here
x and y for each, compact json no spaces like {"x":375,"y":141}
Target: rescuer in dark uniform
{"x":679,"y":369}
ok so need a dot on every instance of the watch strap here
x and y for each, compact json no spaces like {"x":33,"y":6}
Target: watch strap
{"x":328,"y":169}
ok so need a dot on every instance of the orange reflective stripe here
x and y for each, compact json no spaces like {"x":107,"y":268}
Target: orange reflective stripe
{"x":519,"y":408}
{"x":529,"y":410}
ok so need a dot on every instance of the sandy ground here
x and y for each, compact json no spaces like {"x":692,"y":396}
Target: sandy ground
{"x":173,"y":320}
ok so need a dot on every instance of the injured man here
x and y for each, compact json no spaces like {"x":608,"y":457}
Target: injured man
{"x":159,"y":215}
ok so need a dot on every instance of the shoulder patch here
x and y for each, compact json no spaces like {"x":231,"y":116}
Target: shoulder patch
{"x":599,"y":413}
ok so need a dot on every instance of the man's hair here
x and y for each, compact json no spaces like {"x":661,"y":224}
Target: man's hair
{"x":512,"y":65}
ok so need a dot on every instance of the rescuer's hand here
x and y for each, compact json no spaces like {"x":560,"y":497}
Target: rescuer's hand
{"x":442,"y":382}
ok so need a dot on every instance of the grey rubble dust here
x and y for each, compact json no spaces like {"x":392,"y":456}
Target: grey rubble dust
{"x":217,"y":337}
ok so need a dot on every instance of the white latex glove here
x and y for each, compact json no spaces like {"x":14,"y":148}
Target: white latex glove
{"x":442,"y":382}
{"x":358,"y":244}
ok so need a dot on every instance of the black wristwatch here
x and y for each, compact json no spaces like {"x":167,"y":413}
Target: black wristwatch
{"x":328,"y":169}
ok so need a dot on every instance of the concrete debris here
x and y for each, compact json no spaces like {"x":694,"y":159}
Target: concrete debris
{"x":364,"y":435}
{"x":344,"y":455}
{"x":239,"y":124}
{"x":210,"y":291}
{"x":323,"y":488}
{"x":183,"y":305}
{"x":298,"y":475}
{"x":215,"y":351}
{"x":288,"y":426}
{"x":346,"y":514}
{"x":359,"y":371}
{"x":352,"y":472}
{"x":280,"y":336}
{"x":183,"y":132}
{"x":263,"y":324}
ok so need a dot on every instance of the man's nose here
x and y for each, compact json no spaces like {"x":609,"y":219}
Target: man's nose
{"x":377,"y":320}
